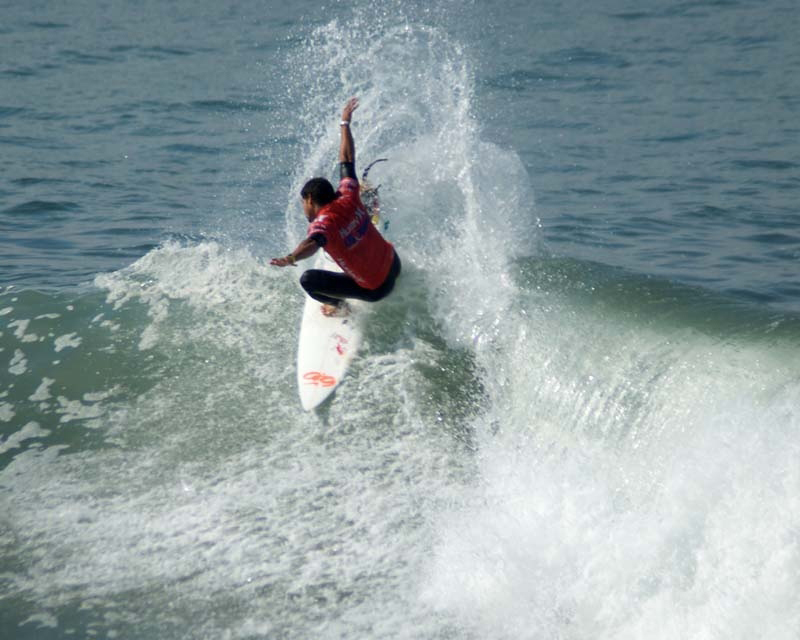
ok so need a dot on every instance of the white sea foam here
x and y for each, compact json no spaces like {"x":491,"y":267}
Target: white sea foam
{"x":644,"y":494}
{"x":29,"y":431}
{"x":71,"y":410}
{"x":228,"y":289}
{"x":21,"y":331}
{"x":42,"y":620}
{"x":67,"y":341}
{"x":42,"y":391}
{"x":6,"y":411}
{"x":18,"y":364}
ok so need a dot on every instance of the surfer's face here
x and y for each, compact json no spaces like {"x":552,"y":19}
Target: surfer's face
{"x":308,"y":208}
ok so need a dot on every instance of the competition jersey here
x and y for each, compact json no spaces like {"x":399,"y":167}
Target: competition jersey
{"x":344,"y":229}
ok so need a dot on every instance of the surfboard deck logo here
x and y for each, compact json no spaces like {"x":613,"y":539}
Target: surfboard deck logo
{"x":319,"y":379}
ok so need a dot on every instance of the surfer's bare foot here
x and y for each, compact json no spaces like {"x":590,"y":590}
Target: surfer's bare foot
{"x":335,"y":310}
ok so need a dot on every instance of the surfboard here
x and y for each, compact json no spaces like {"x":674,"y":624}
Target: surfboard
{"x":326,"y":344}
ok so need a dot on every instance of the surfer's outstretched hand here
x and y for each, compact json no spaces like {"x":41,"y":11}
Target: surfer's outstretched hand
{"x":286,"y":261}
{"x":347,"y":112}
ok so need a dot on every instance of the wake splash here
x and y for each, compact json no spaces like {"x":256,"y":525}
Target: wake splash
{"x":635,"y":475}
{"x":459,"y":208}
{"x":636,"y":478}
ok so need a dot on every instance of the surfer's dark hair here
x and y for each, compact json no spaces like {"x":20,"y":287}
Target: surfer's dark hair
{"x":320,"y":190}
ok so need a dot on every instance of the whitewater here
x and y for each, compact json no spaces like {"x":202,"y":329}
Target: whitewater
{"x":532,"y":443}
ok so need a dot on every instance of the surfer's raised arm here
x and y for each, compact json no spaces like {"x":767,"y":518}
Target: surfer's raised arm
{"x":312,"y":204}
{"x":347,"y":147}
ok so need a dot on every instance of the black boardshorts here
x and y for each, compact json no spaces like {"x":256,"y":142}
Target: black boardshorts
{"x":329,"y":287}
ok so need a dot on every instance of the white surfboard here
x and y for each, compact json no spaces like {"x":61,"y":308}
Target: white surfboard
{"x":326,"y":346}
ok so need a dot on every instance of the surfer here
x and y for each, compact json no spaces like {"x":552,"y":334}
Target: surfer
{"x":340,"y":224}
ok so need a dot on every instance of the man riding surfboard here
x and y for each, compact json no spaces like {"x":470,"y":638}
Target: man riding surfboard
{"x":340,"y":224}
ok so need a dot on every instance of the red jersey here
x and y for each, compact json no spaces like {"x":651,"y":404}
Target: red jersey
{"x":351,"y":239}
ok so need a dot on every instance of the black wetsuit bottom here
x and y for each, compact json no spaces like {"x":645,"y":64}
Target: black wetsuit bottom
{"x":331,"y":288}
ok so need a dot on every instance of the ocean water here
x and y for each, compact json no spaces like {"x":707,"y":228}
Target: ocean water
{"x":578,"y":416}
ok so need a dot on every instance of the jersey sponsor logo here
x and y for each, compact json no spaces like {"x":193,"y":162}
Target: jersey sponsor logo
{"x":354,"y":231}
{"x":318,"y":379}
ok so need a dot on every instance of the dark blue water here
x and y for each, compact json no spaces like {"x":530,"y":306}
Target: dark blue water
{"x":575,"y":417}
